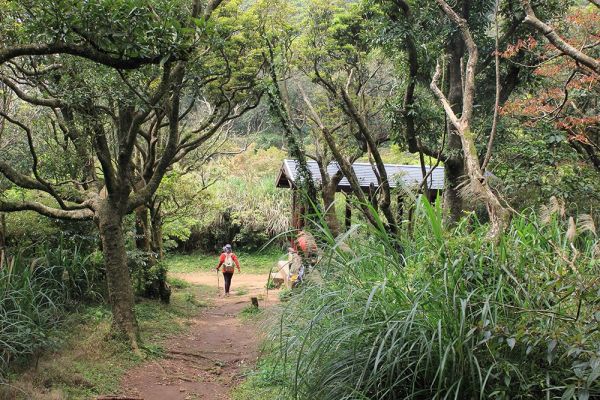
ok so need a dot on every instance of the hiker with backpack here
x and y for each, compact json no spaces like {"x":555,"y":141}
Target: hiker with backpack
{"x":305,"y":255}
{"x":229,"y":261}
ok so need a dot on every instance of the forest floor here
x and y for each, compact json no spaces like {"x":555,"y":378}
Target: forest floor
{"x":211,"y":357}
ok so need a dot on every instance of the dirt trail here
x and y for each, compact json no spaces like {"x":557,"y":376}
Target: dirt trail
{"x":205,"y":362}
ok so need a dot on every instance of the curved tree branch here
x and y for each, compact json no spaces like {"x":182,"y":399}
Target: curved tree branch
{"x":84,"y":51}
{"x":442,"y":97}
{"x":78,"y":215}
{"x":558,"y":41}
{"x":53,"y":103}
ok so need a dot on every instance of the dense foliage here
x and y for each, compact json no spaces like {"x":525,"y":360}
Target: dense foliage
{"x":235,"y":201}
{"x":132,"y":128}
{"x":454,"y":317}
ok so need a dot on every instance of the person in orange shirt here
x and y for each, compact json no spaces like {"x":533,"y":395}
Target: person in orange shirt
{"x":228,"y":260}
{"x":307,"y":250}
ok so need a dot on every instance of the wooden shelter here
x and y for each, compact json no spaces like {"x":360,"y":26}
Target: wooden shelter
{"x":398,"y":175}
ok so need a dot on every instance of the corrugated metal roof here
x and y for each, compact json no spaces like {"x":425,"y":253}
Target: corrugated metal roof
{"x":410,"y":175}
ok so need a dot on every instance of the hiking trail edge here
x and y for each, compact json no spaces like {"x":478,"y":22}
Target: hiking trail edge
{"x":209,"y":359}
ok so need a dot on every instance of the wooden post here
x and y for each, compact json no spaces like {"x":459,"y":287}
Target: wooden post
{"x":348,"y":218}
{"x":294,"y":208}
{"x":373,"y":196}
{"x":298,"y":210}
{"x":400,"y":207}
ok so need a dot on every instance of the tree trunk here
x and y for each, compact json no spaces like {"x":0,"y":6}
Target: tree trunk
{"x":149,"y":240}
{"x":479,"y":188}
{"x":148,"y":283}
{"x":454,"y":167}
{"x":400,"y":208}
{"x":142,"y":230}
{"x":328,"y":193}
{"x":454,"y":174}
{"x":2,"y":236}
{"x":348,"y":216}
{"x":476,"y":185}
{"x":156,"y":225}
{"x":120,"y":290}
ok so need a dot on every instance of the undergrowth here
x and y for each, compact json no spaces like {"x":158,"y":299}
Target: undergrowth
{"x":452,"y":316}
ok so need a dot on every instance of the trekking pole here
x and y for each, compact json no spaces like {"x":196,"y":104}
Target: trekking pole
{"x":218,"y":284}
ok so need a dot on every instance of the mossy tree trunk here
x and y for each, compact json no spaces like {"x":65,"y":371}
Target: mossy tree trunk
{"x":120,"y":290}
{"x":454,"y":167}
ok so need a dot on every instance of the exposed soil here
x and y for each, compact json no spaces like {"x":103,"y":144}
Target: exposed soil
{"x":209,"y":359}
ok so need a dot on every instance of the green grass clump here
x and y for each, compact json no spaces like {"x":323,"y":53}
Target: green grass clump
{"x":178,"y":283}
{"x":266,"y":381}
{"x":251,"y":263}
{"x":454,"y":316}
{"x":37,"y":290}
{"x":285,"y":294}
{"x":250,"y":311}
{"x":241,"y":291}
{"x":32,"y":305}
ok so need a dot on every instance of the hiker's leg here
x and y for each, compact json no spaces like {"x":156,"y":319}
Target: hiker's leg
{"x":227,"y":276}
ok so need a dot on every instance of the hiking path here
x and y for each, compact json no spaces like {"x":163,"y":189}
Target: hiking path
{"x":209,"y":359}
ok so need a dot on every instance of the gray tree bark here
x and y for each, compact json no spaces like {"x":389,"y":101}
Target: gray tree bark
{"x":120,"y":291}
{"x":454,"y":167}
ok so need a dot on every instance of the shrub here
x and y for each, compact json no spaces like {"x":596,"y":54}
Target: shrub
{"x":178,"y":283}
{"x":247,"y":210}
{"x":454,"y":317}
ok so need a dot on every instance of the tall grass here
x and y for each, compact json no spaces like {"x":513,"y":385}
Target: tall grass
{"x":455,"y":317}
{"x":74,"y":264}
{"x":31,"y":300}
{"x":34,"y":295}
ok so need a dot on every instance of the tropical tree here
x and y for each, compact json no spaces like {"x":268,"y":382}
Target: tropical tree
{"x":331,"y":86}
{"x":426,"y":38}
{"x":113,"y":82}
{"x":337,"y":57}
